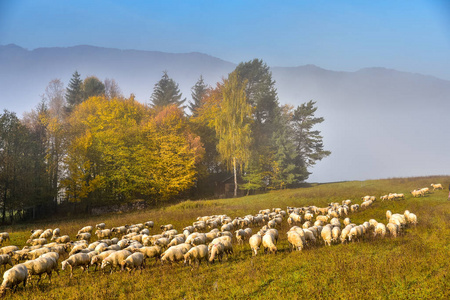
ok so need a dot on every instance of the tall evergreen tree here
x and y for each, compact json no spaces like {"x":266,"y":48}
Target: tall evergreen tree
{"x":198,"y":91}
{"x":74,"y":92}
{"x":308,"y":142}
{"x":166,"y":92}
{"x":262,"y":96}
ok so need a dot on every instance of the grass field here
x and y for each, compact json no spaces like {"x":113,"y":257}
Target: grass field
{"x":415,"y":265}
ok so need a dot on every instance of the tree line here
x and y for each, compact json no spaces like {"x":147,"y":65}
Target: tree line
{"x":87,"y":143}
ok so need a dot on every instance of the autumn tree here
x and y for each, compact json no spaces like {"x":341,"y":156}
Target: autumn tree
{"x":232,"y":124}
{"x":166,"y":92}
{"x":168,"y":155}
{"x":74,"y":92}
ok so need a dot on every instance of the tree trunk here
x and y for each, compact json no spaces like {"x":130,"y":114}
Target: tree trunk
{"x":235,"y":177}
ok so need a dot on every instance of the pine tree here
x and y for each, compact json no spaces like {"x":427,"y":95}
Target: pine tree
{"x":198,"y":92}
{"x":74,"y":92}
{"x":308,"y":142}
{"x":166,"y":92}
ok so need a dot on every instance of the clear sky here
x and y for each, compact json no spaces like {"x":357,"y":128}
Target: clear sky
{"x":407,"y":35}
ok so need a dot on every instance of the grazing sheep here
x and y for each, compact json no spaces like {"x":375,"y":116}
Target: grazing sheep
{"x":119,"y":230}
{"x":84,"y":236}
{"x":5,"y":259}
{"x":61,"y":239}
{"x":166,"y":227}
{"x":355,"y":233}
{"x":217,"y":250}
{"x":56,"y":232}
{"x":114,"y":259}
{"x":8,"y":249}
{"x":255,"y":242}
{"x":100,"y":226}
{"x":174,"y":254}
{"x":345,"y":233}
{"x":335,"y":222}
{"x":13,"y":277}
{"x":36,"y":233}
{"x":326,"y":234}
{"x":36,"y":242}
{"x":77,"y":260}
{"x":4,"y":236}
{"x":86,"y":229}
{"x":393,"y":229}
{"x":102,"y":234}
{"x":388,"y":214}
{"x":196,"y":254}
{"x":97,"y":259}
{"x":295,"y":240}
{"x":134,"y":261}
{"x":77,"y":248}
{"x":380,"y":229}
{"x":412,"y":219}
{"x":176,"y":241}
{"x":149,"y":252}
{"x":269,"y":243}
{"x":347,"y":221}
{"x":335,"y":234}
{"x":309,"y":236}
{"x":40,"y":266}
{"x":149,"y":224}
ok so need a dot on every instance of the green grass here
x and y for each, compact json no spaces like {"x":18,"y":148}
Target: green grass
{"x":413,"y":266}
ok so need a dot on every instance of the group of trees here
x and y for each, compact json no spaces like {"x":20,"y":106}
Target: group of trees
{"x":88,"y":143}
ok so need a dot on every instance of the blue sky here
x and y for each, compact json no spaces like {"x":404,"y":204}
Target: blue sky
{"x":411,"y":35}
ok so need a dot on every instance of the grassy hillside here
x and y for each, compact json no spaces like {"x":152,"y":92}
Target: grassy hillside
{"x":413,"y":266}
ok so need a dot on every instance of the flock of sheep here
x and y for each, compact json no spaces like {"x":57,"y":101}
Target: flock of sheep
{"x":208,"y":239}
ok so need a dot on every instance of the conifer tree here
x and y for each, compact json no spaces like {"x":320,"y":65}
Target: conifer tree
{"x":74,"y":92}
{"x":198,"y":92}
{"x":166,"y":92}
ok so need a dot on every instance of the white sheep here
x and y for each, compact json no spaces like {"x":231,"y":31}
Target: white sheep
{"x":388,"y":214}
{"x":5,"y":259}
{"x":196,"y":254}
{"x":77,"y":260}
{"x":102,"y":234}
{"x":84,"y":236}
{"x":133,"y":262}
{"x":295,"y":240}
{"x":100,"y":226}
{"x":335,"y":234}
{"x":114,"y":259}
{"x":355,"y":233}
{"x":437,"y":186}
{"x":97,"y":259}
{"x":412,"y":219}
{"x":149,"y":252}
{"x":176,"y":241}
{"x":85,"y":229}
{"x":13,"y":277}
{"x":255,"y":242}
{"x":8,"y":249}
{"x":174,"y":254}
{"x":61,"y":239}
{"x":326,"y":234}
{"x":380,"y":229}
{"x":40,"y":266}
{"x":269,"y":243}
{"x":393,"y":229}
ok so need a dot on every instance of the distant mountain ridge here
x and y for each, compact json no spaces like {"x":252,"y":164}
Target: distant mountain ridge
{"x":367,"y":112}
